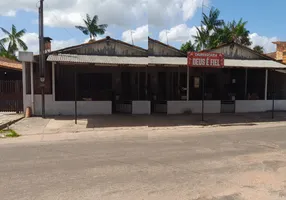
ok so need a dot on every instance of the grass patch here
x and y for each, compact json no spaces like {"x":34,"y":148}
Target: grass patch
{"x":10,"y":133}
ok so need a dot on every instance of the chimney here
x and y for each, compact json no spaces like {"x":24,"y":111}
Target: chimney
{"x":280,"y":48}
{"x":48,"y":46}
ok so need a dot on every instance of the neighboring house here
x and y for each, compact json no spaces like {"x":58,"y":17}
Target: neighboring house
{"x":10,"y":85}
{"x":110,"y":76}
{"x":280,"y":53}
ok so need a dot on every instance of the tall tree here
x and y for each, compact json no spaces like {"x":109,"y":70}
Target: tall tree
{"x":206,"y":34}
{"x":14,"y":40}
{"x":235,"y":32}
{"x":258,"y":49}
{"x":212,"y":21}
{"x":189,"y":46}
{"x":91,"y":27}
{"x":202,"y":38}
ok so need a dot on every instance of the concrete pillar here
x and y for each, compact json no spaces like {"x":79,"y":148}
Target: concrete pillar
{"x":188,"y":83}
{"x":245,"y":88}
{"x":53,"y":81}
{"x":24,"y":86}
{"x":266,"y":84}
{"x":32,"y":87}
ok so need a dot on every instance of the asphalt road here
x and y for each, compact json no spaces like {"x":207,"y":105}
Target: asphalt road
{"x":220,"y":165}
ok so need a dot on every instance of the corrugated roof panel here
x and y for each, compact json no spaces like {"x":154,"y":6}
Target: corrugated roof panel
{"x":270,"y":64}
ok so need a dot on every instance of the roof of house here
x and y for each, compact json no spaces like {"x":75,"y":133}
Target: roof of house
{"x":10,"y":64}
{"x":168,"y":46}
{"x":242,"y":46}
{"x":271,"y":55}
{"x":97,"y":41}
{"x":95,"y":59}
{"x":151,"y":60}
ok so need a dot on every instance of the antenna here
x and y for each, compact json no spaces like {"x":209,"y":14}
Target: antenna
{"x":132,"y":36}
{"x":167,"y":37}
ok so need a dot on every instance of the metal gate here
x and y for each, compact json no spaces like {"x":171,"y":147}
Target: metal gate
{"x":11,"y":96}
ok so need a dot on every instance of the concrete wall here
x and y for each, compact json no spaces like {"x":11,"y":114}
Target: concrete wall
{"x":259,"y":106}
{"x":280,"y":105}
{"x":141,"y":107}
{"x":67,"y":107}
{"x":252,"y":106}
{"x":179,"y":107}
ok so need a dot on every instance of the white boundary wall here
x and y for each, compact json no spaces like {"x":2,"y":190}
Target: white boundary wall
{"x":245,"y":106}
{"x":141,"y":107}
{"x":179,"y":107}
{"x":67,"y":107}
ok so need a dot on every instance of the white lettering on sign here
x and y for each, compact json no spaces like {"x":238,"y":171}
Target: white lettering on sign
{"x":214,"y":62}
{"x":198,"y":61}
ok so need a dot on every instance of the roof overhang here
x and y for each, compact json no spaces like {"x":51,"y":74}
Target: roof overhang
{"x":98,"y":60}
{"x":155,"y":61}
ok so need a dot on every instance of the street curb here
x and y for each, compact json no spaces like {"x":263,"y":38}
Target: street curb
{"x":3,"y":126}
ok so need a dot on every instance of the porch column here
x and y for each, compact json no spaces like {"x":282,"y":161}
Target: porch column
{"x":245,"y":89}
{"x":146,"y":83}
{"x":188,"y":83}
{"x":266,"y":84}
{"x":24,"y":85}
{"x":53,"y":81}
{"x":32,"y":87}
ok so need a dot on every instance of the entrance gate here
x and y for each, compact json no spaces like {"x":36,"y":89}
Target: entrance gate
{"x":11,"y":96}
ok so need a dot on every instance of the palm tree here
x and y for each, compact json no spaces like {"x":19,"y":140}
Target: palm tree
{"x":258,"y":49}
{"x":236,"y":32}
{"x":202,"y":38}
{"x":206,"y":35}
{"x":14,"y":40}
{"x":211,"y":21}
{"x":91,"y":28}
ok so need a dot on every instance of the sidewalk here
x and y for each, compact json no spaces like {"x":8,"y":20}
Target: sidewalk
{"x":7,"y":119}
{"x":37,"y":125}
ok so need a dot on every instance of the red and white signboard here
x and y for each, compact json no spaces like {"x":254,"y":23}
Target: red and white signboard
{"x":210,"y":60}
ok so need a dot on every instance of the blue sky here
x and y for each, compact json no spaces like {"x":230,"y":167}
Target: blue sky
{"x":154,"y":17}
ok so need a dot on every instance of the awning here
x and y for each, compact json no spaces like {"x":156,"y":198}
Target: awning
{"x":94,"y":59}
{"x":152,"y":61}
{"x":229,"y":63}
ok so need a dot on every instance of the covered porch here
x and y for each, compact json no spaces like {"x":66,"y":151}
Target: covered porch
{"x":92,"y":85}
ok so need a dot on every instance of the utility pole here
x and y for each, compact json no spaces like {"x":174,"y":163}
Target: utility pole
{"x":42,"y":55}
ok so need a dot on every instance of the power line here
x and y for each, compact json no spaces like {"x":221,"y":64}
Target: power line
{"x":54,"y":15}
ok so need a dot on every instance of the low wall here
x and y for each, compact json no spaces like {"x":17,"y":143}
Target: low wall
{"x":179,"y":107}
{"x":141,"y":107}
{"x":67,"y":107}
{"x":245,"y":106}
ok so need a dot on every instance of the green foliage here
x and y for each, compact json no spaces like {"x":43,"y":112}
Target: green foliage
{"x":14,"y":42}
{"x":215,"y":31}
{"x":10,"y":133}
{"x":258,"y":49}
{"x":189,"y":46}
{"x":91,"y":27}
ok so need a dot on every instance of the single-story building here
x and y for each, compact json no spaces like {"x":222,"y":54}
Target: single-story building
{"x":110,"y":76}
{"x":11,"y":96}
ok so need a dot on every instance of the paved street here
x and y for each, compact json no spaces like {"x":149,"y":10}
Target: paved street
{"x":211,"y":164}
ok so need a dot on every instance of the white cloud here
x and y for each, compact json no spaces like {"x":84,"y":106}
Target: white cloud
{"x":32,"y":41}
{"x":139,"y":34}
{"x":180,"y":33}
{"x":263,"y":41}
{"x":166,"y":12}
{"x":68,"y":14}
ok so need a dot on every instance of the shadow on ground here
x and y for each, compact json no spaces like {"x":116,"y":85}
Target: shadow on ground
{"x":104,"y":121}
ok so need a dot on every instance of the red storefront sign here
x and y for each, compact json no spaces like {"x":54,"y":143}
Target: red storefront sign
{"x":211,"y":60}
